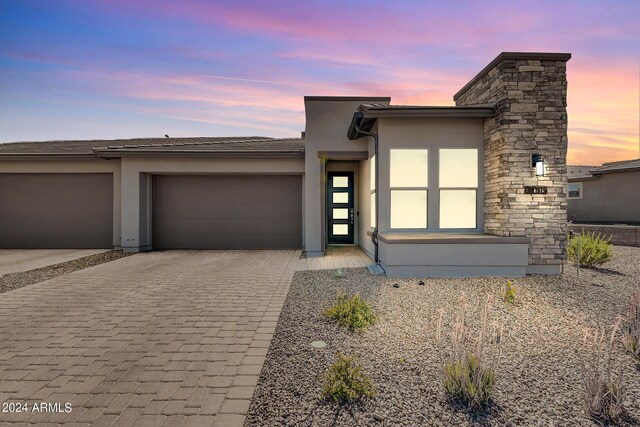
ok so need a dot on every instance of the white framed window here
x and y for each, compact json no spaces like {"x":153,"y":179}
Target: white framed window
{"x":458,"y":182}
{"x":372,"y":190}
{"x":574,"y":190}
{"x":409,"y":182}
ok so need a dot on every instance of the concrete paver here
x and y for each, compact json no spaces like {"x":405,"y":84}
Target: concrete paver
{"x":160,"y":338}
{"x":16,"y":260}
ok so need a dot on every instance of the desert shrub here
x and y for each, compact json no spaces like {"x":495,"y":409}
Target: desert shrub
{"x":594,"y":250}
{"x":351,"y":312}
{"x":468,"y":381}
{"x":344,"y":381}
{"x":604,"y":389}
{"x":509,"y":293}
{"x":631,"y":327}
{"x":469,"y":368}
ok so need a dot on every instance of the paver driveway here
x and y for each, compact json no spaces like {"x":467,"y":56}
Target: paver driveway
{"x":174,"y":337}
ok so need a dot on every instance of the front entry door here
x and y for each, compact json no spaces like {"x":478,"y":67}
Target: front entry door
{"x":340,"y":207}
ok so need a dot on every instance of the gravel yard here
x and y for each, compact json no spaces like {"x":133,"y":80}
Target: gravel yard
{"x":539,"y":379}
{"x":12,"y":281}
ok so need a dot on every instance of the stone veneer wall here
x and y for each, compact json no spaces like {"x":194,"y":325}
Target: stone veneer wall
{"x":529,"y":91}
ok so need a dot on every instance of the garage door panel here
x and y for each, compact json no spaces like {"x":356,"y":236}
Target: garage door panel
{"x":56,"y":211}
{"x":244,"y":194}
{"x":227,"y":226}
{"x":239,"y":241}
{"x":227,"y":212}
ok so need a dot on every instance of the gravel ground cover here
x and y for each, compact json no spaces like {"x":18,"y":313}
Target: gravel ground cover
{"x":13,"y":281}
{"x":539,"y":380}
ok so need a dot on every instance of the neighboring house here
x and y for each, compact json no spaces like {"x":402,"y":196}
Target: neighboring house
{"x":426,"y":191}
{"x":609,"y":194}
{"x":575,"y":171}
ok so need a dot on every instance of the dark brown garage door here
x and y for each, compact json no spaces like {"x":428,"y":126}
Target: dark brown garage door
{"x":56,"y":211}
{"x":227,"y":211}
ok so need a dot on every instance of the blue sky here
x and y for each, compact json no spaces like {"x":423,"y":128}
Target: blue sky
{"x":123,"y":69}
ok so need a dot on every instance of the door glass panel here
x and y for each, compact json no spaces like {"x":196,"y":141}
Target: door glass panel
{"x":340,"y":181}
{"x":340,"y":230}
{"x":341,"y":214}
{"x":458,"y":209}
{"x":340,"y":197}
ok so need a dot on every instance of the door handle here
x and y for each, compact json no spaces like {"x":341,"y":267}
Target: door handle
{"x":351,"y":215}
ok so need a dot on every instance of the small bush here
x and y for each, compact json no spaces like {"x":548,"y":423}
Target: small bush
{"x":509,"y":294}
{"x":631,"y":327}
{"x":344,"y":381}
{"x":604,"y":390}
{"x":467,"y":381}
{"x":351,"y":312}
{"x":594,"y":250}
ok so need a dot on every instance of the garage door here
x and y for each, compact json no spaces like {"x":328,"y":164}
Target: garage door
{"x":227,"y":212}
{"x":56,"y":211}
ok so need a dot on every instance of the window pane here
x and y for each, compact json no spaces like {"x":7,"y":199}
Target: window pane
{"x":340,"y":181}
{"x":373,"y":210}
{"x":408,"y":168}
{"x":372,"y":171}
{"x":341,"y":214}
{"x":459,"y":167}
{"x":409,"y":209}
{"x":574,"y":190}
{"x":340,"y":197}
{"x":340,"y":229}
{"x":457,"y":208}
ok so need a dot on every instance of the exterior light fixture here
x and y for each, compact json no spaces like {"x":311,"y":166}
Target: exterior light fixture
{"x":537,"y":161}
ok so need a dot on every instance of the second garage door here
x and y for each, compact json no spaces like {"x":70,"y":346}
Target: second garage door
{"x":56,"y":210}
{"x":227,"y":211}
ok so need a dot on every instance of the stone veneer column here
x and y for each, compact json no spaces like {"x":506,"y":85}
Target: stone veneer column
{"x":530,"y":92}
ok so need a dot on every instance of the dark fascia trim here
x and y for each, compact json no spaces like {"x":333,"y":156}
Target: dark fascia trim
{"x":584,"y":178}
{"x":442,"y":238}
{"x":603,"y":171}
{"x":199,"y":153}
{"x":483,"y":111}
{"x":343,"y":155}
{"x":386,"y":99}
{"x":47,"y":156}
{"x":531,"y":56}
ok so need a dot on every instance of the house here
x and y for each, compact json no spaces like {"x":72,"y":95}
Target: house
{"x":575,"y":171}
{"x":475,"y":189}
{"x":606,"y":195}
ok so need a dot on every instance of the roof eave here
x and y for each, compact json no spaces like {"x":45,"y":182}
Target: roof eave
{"x":47,"y":156}
{"x":630,"y":169}
{"x":198,"y":153}
{"x":466,"y":112}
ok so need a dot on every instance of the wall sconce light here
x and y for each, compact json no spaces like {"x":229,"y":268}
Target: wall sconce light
{"x":537,"y":161}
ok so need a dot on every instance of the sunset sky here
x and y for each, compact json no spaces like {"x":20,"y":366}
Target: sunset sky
{"x":136,"y":68}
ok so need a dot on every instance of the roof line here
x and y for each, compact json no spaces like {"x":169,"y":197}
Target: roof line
{"x":198,"y":153}
{"x":348,"y":98}
{"x":532,"y":56}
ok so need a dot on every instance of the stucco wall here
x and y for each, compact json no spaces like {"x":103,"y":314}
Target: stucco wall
{"x":613,"y":197}
{"x":327,"y":122}
{"x":75,"y":166}
{"x":432,"y":134}
{"x":137,"y":180}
